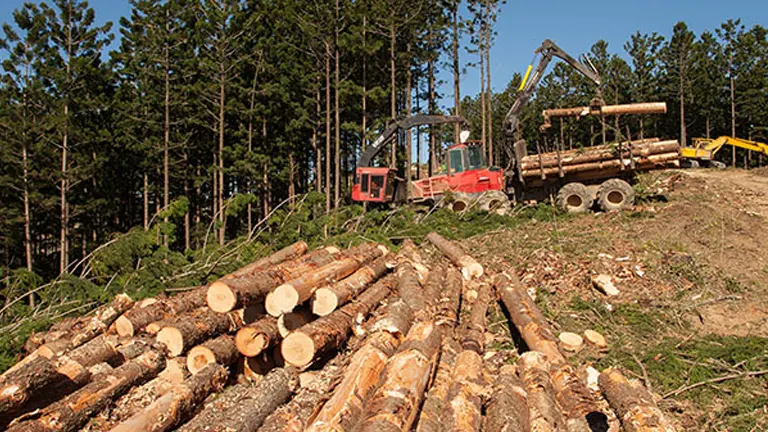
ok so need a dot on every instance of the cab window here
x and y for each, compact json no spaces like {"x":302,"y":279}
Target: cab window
{"x":456,"y":162}
{"x":476,"y":159}
{"x":364,"y":183}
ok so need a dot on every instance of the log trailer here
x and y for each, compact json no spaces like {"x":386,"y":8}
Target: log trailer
{"x":467,"y":180}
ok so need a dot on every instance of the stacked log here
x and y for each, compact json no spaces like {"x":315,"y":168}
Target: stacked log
{"x":640,"y":155}
{"x":221,"y":350}
{"x":633,"y":403}
{"x":192,"y":328}
{"x":507,"y":409}
{"x":327,"y":299}
{"x":288,"y":253}
{"x":469,"y":267}
{"x":134,"y":321}
{"x":284,"y":298}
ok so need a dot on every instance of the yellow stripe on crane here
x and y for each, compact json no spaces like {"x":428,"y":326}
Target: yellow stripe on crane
{"x":525,"y":78}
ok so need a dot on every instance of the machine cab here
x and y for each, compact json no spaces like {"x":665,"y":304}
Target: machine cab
{"x":374,"y":184}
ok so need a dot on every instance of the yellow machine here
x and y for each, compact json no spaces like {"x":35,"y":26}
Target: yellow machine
{"x":705,"y":149}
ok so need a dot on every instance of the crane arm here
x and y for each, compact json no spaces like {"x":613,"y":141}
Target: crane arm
{"x":548,"y":50}
{"x":406,"y":123}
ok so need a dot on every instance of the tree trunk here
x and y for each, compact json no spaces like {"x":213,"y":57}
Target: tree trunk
{"x":64,"y":186}
{"x":393,"y":83}
{"x":27,"y":218}
{"x":489,"y":89}
{"x":222,"y":190}
{"x":138,"y":317}
{"x":543,"y":412}
{"x":507,"y":409}
{"x":229,"y":294}
{"x":146,"y":202}
{"x":337,"y":108}
{"x":221,"y":350}
{"x":301,"y":347}
{"x":432,"y":99}
{"x":327,"y":299}
{"x":633,"y":404}
{"x":483,"y":118}
{"x":254,"y":338}
{"x":327,"y":127}
{"x":166,"y":122}
{"x":733,"y":116}
{"x":395,"y":403}
{"x":408,"y":136}
{"x":316,"y":147}
{"x":682,"y":104}
{"x":287,"y":296}
{"x":192,"y":328}
{"x":456,"y":71}
{"x":251,"y":107}
{"x":72,"y":412}
{"x":469,"y":267}
{"x":178,"y":404}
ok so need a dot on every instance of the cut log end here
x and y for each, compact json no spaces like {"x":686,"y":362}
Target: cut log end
{"x":250,"y":341}
{"x":198,"y":358}
{"x":221,"y":298}
{"x":571,"y":341}
{"x":124,"y":327}
{"x":324,"y":302}
{"x":172,"y":339}
{"x":298,"y":349}
{"x":282,"y":300}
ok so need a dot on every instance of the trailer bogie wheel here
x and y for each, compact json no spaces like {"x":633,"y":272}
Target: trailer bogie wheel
{"x":574,"y":198}
{"x":494,"y":202}
{"x":460,"y":202}
{"x":614,"y":195}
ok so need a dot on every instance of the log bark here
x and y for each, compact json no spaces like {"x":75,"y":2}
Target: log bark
{"x":72,"y":412}
{"x":178,"y":404}
{"x":534,"y":158}
{"x":226,"y":295}
{"x":469,"y":267}
{"x":544,"y":414}
{"x":434,"y":404}
{"x":448,"y":305}
{"x":464,"y":400}
{"x":221,"y":350}
{"x":434,"y":285}
{"x":195,"y":327}
{"x":605,"y":110}
{"x":296,"y":414}
{"x":409,"y":283}
{"x":579,"y":405}
{"x":507,"y":409}
{"x":250,"y":411}
{"x":633,"y":403}
{"x":473,"y":330}
{"x":640,"y":150}
{"x":640,"y":164}
{"x":44,"y":380}
{"x":288,"y":253}
{"x":302,"y":346}
{"x":289,"y":322}
{"x":254,"y":338}
{"x":287,"y":296}
{"x":327,"y":299}
{"x":395,"y":403}
{"x":136,"y":319}
{"x":343,"y":409}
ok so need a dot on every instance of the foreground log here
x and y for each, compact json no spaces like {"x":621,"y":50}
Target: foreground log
{"x":296,"y":414}
{"x":507,"y":409}
{"x":464,"y":400}
{"x":195,"y":327}
{"x":633,"y":403}
{"x":226,"y":295}
{"x":249,"y":412}
{"x":578,"y":403}
{"x":44,"y":380}
{"x":138,"y":317}
{"x":301,"y":347}
{"x":448,"y":304}
{"x":221,"y":350}
{"x":469,"y":267}
{"x":343,"y":409}
{"x":544,"y":414}
{"x":409,"y":282}
{"x":395,"y":403}
{"x":434,"y":404}
{"x":327,"y":299}
{"x":178,"y":404}
{"x":72,"y":412}
{"x":287,"y":296}
{"x":473,"y":330}
{"x":254,"y":338}
{"x":286,"y":254}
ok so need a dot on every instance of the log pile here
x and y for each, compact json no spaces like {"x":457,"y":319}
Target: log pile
{"x":399,"y":346}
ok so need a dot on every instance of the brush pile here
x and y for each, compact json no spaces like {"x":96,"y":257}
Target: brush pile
{"x":324,"y":340}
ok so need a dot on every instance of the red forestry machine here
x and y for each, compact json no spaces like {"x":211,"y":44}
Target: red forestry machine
{"x":467,"y":176}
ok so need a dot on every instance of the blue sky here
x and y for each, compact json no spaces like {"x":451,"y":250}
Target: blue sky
{"x":574,"y":25}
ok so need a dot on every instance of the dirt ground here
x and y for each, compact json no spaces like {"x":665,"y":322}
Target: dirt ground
{"x":691,"y":262}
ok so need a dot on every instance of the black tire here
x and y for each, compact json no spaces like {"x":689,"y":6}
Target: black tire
{"x":494,"y":202}
{"x":574,"y":198}
{"x":615,"y":195}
